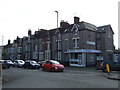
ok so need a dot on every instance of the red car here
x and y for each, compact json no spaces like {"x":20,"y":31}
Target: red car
{"x":51,"y":65}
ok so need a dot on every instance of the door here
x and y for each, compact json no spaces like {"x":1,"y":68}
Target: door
{"x":76,"y":59}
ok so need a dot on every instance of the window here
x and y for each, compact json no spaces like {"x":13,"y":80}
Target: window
{"x":36,"y":47}
{"x":66,"y":43}
{"x":91,"y":59}
{"x":28,"y":39}
{"x":66,"y":30}
{"x":28,"y":56}
{"x":98,"y":43}
{"x":58,"y":44}
{"x":76,"y":42}
{"x":59,"y":55}
{"x":41,"y":56}
{"x":19,"y":49}
{"x":35,"y":55}
{"x":59,"y":35}
{"x":109,"y":34}
{"x":18,"y":56}
{"x":47,"y":55}
{"x":109,"y":43}
{"x":48,"y":45}
{"x":26,"y":47}
{"x":40,"y":45}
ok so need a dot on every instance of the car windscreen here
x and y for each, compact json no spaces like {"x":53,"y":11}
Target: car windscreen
{"x":9,"y":61}
{"x":1,"y":61}
{"x":33,"y":62}
{"x":21,"y":61}
{"x":55,"y":62}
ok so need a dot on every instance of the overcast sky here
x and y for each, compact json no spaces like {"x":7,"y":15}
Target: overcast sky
{"x":17,"y":16}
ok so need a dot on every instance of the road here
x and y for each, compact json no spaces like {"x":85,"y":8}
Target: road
{"x":70,"y":78}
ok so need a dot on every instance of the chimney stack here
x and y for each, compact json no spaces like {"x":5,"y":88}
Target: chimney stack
{"x":29,"y":32}
{"x":76,"y":20}
{"x":9,"y":41}
{"x":64,"y":24}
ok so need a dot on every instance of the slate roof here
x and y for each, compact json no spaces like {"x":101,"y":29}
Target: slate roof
{"x":81,"y":26}
{"x":103,"y":28}
{"x":86,"y":25}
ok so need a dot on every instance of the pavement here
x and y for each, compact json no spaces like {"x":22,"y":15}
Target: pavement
{"x":113,"y":75}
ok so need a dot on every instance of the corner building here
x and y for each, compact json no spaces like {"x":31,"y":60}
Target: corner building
{"x":79,"y":44}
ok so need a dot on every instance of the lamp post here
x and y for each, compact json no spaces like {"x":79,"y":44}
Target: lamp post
{"x":57,"y":18}
{"x":57,"y":36}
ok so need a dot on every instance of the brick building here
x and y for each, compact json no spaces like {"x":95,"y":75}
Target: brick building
{"x":78,"y":44}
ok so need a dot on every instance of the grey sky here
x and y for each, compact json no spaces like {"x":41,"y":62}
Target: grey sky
{"x":17,"y":16}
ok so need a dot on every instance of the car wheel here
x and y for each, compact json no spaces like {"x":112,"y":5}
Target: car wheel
{"x":38,"y":68}
{"x":62,"y":70}
{"x":52,"y":69}
{"x":8,"y":67}
{"x":43,"y":69}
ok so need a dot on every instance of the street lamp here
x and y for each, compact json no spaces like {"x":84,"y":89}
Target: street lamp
{"x":57,"y":18}
{"x":57,"y":31}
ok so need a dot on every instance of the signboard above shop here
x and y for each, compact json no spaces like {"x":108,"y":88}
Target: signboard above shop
{"x":83,"y":51}
{"x":90,"y":43}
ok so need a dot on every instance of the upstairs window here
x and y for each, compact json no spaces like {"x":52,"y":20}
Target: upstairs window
{"x":36,"y":47}
{"x":109,"y":34}
{"x":58,"y":44}
{"x":76,"y":42}
{"x":48,"y":45}
{"x":59,"y":55}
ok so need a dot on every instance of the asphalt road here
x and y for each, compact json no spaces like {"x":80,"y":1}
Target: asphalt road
{"x":70,"y":78}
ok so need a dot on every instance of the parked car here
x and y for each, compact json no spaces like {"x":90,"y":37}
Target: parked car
{"x":9,"y":62}
{"x":114,"y":66}
{"x":31,"y":64}
{"x":41,"y":63}
{"x":4,"y":65}
{"x":51,"y":65}
{"x":18,"y":63}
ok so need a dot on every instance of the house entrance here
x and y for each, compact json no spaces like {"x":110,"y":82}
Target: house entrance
{"x":75,"y":59}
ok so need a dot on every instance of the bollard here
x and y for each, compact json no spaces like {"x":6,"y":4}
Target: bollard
{"x":108,"y":68}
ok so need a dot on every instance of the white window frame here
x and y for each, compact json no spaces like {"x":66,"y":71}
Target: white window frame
{"x":48,"y":45}
{"x":47,"y":55}
{"x":59,"y":55}
{"x":58,"y":44}
{"x":76,"y":42}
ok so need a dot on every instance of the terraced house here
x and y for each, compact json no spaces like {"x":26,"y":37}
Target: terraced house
{"x":78,"y":44}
